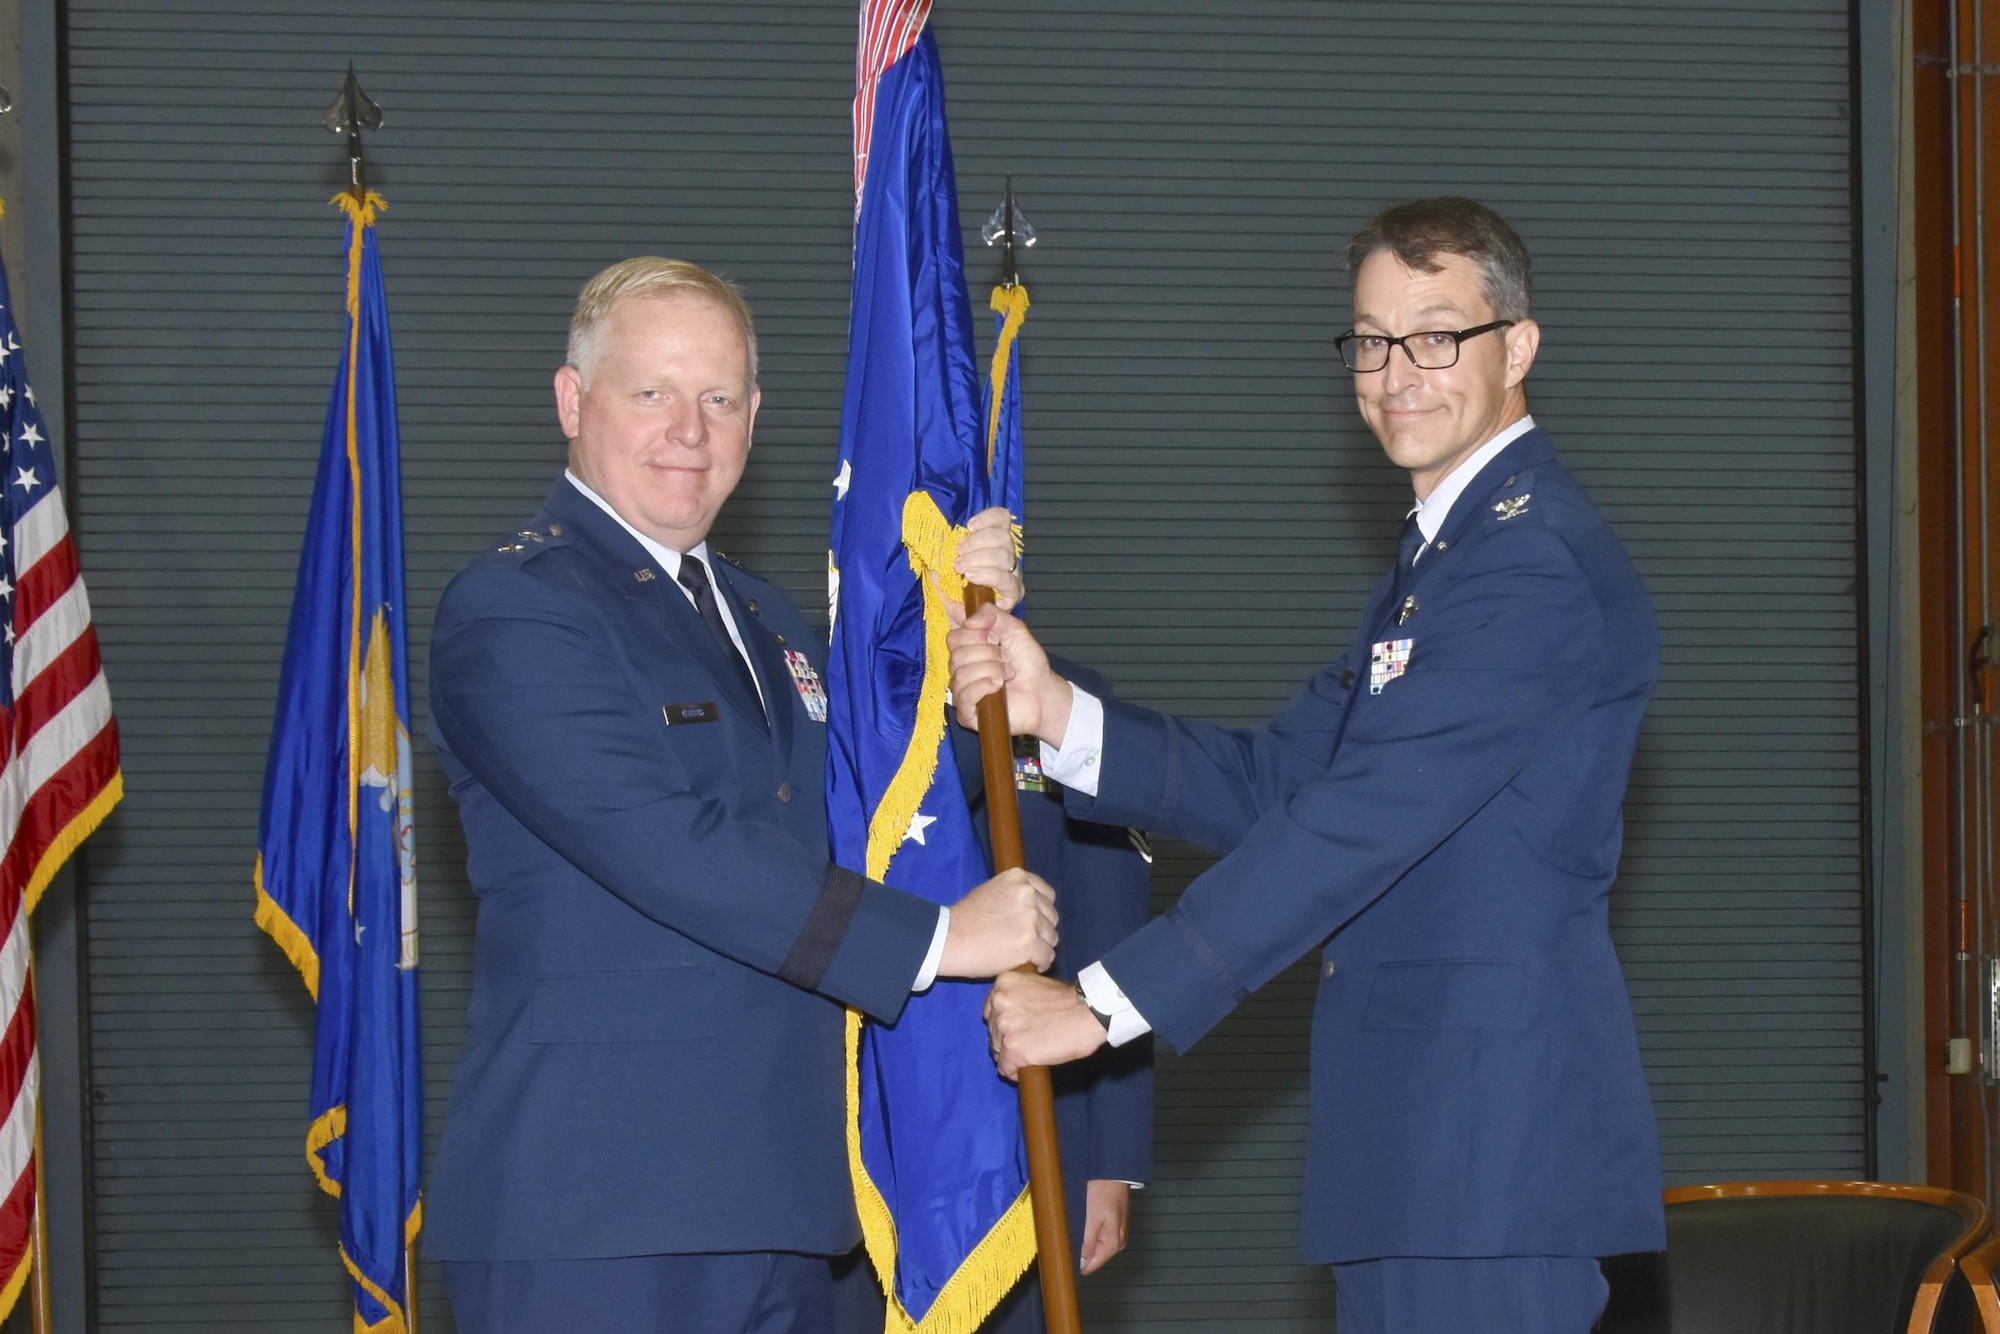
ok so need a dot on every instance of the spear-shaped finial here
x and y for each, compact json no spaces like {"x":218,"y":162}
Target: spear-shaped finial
{"x":1008,"y":228}
{"x":352,"y":112}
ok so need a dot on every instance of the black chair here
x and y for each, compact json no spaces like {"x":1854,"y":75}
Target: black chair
{"x":1640,"y":1295}
{"x":1972,"y":1302}
{"x":1797,"y":1257}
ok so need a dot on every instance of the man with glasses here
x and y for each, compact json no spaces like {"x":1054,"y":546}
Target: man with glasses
{"x":1439,"y":809}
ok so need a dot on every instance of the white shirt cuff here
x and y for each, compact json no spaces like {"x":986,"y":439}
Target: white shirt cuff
{"x":928,"y":973}
{"x":1105,"y":997}
{"x":1074,"y":762}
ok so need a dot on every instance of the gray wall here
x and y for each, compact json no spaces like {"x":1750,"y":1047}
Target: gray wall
{"x":1205,"y":512}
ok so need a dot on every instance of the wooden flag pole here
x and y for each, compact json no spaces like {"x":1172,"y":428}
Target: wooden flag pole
{"x":40,"y":1317}
{"x":410,"y":1284}
{"x":38,"y":1279}
{"x":1057,"y":1257}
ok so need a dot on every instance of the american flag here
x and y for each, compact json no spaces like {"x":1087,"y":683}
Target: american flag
{"x":889,"y":28}
{"x":61,"y":775}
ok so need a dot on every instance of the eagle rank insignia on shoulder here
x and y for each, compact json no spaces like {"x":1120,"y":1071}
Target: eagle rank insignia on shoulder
{"x":808,"y":683}
{"x":1387,"y":661}
{"x":1513,"y":507}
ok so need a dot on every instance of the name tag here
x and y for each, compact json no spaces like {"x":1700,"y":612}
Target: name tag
{"x":677,"y":714}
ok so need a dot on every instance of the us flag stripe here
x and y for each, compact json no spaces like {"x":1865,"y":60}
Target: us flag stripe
{"x":59,"y":746}
{"x":38,"y":531}
{"x":43,"y":582}
{"x":70,"y":675}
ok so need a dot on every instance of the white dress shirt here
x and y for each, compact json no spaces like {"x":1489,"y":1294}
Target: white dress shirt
{"x":670,"y":561}
{"x":1076,"y":763}
{"x":1434,"y":508}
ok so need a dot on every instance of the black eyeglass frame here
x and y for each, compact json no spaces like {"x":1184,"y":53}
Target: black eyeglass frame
{"x":1458,"y":336}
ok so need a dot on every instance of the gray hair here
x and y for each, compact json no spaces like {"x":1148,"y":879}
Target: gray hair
{"x":649,"y":276}
{"x":1418,"y":232}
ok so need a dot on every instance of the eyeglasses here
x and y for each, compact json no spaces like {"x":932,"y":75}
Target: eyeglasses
{"x":1432,"y":350}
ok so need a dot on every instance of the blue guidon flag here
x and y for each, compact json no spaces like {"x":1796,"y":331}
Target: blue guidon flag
{"x":934,"y":1133}
{"x":336,"y":864}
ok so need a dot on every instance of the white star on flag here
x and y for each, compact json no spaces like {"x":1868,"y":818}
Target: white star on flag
{"x":841,"y":483}
{"x":918,"y":823}
{"x":6,"y":397}
{"x":27,"y":480}
{"x":30,"y":436}
{"x":29,"y":390}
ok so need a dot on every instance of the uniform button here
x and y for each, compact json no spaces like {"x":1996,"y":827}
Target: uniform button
{"x":1330,"y":969}
{"x":784,"y":792}
{"x":555,"y":530}
{"x":753,"y":606}
{"x":1441,"y":546}
{"x":780,"y":639}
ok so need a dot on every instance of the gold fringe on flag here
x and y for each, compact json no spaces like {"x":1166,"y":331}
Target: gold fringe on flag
{"x":1004,"y":1254}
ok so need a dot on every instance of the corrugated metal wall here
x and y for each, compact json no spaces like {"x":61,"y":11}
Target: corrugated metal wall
{"x":1206,"y":512}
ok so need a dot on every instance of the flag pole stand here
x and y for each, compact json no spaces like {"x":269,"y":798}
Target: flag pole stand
{"x":1054,"y":1253}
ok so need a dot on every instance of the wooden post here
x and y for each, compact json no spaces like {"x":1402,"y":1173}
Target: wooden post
{"x":42,"y":1320}
{"x":1055,"y":1255}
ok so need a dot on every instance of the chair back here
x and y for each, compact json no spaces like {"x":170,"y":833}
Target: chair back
{"x":1814,"y":1257}
{"x":1977,"y":1268}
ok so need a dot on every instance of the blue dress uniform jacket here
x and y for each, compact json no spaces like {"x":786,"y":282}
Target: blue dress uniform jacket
{"x":1449,"y":829}
{"x":655,"y":1063}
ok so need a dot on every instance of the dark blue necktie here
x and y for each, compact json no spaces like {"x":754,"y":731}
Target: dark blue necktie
{"x":694,"y":578}
{"x":1408,"y":544}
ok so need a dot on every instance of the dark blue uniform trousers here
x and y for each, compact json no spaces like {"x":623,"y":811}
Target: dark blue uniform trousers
{"x":1515,"y":1294}
{"x":756,"y":1293}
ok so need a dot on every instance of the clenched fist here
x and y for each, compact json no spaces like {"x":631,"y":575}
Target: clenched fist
{"x":991,"y":651}
{"x":1039,"y":1021}
{"x":1006,"y":922}
{"x":986,"y":556}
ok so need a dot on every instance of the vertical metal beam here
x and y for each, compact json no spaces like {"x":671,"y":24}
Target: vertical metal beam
{"x":1898,"y":625}
{"x":1892,"y":968}
{"x":1970,"y":72}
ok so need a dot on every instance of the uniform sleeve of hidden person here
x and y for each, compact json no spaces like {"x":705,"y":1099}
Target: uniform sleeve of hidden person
{"x":1500,"y":665}
{"x":530,"y":694}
